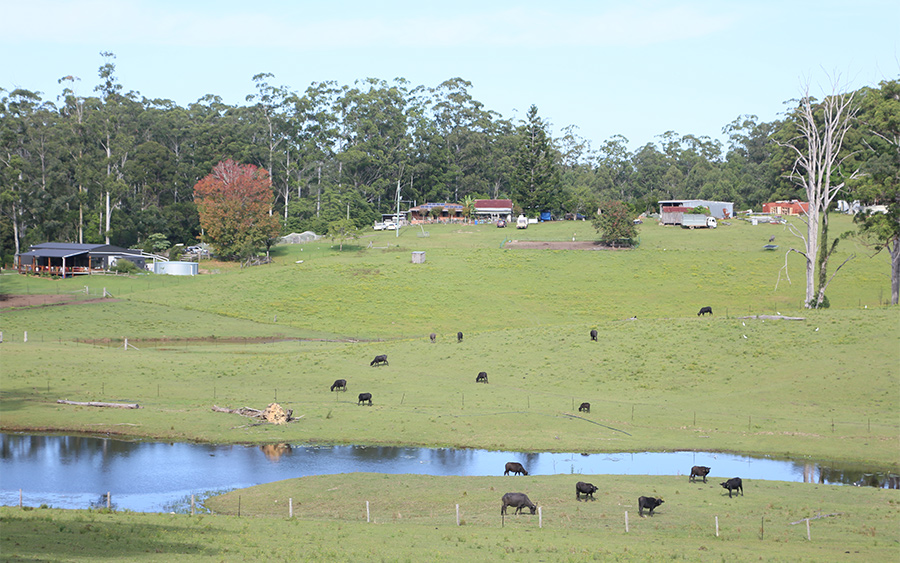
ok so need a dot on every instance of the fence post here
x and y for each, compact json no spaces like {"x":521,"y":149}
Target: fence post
{"x":20,"y":498}
{"x":540,"y":518}
{"x":626,"y":521}
{"x":291,"y":507}
{"x":717,"y":526}
{"x":457,"y":515}
{"x":367,"y":511}
{"x":808,"y":537}
{"x":25,"y":338}
{"x":192,"y":505}
{"x":109,"y":500}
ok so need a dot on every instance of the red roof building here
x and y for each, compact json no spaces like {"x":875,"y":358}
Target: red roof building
{"x":792,"y":207}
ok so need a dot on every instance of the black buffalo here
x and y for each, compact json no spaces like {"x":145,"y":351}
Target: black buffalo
{"x":459,"y":337}
{"x":517,"y":501}
{"x":515,"y":467}
{"x":648,"y":502}
{"x":585,"y":407}
{"x":380,"y":359}
{"x":586,"y":489}
{"x":481,"y":377}
{"x":363,"y":397}
{"x":705,"y":310}
{"x":340,"y":384}
{"x":433,"y":337}
{"x":594,"y":334}
{"x":734,"y":484}
{"x":699,"y":471}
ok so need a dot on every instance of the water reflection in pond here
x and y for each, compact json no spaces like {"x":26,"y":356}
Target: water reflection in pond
{"x":73,"y":472}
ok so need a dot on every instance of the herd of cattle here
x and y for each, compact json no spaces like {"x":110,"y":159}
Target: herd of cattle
{"x":521,"y":500}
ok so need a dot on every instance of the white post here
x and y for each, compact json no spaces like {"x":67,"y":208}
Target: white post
{"x":367,"y":511}
{"x":540,"y":518}
{"x":108,"y":500}
{"x":1,"y":337}
{"x":126,"y":344}
{"x":626,"y":521}
{"x":192,"y":505}
{"x":808,"y":538}
{"x":717,"y":526}
{"x":20,"y":498}
{"x":457,"y":515}
{"x":291,"y":507}
{"x":25,"y":339}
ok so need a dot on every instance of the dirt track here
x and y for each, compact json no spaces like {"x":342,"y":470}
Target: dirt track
{"x":40,"y":300}
{"x":558,"y":245}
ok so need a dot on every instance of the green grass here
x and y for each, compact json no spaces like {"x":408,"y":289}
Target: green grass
{"x":826,"y":388}
{"x":413,"y":518}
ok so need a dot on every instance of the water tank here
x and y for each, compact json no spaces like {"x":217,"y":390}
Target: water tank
{"x":176,"y":268}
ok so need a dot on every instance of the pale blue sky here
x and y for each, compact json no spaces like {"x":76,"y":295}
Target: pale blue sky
{"x":637,"y":69}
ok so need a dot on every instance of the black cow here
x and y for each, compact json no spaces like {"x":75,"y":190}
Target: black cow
{"x":648,"y":502}
{"x":363,"y":397}
{"x":734,"y":484}
{"x":481,"y":377}
{"x":380,"y":359}
{"x":586,"y":489}
{"x":339,"y":384}
{"x":517,"y":501}
{"x":585,"y":407}
{"x":515,"y":467}
{"x":705,"y":310}
{"x":699,"y":471}
{"x":594,"y":334}
{"x":459,"y":337}
{"x":433,"y":337}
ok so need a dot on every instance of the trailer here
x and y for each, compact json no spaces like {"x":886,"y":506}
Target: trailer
{"x":698,"y":221}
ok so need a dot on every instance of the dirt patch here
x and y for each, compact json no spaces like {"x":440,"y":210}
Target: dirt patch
{"x":561,"y":245}
{"x":43,"y":300}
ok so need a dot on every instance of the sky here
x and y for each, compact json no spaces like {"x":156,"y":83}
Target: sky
{"x":632,"y":68}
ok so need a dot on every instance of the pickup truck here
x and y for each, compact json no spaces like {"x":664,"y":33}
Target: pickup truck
{"x":698,"y":221}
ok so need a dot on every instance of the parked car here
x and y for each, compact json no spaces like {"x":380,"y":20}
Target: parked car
{"x":501,"y":223}
{"x":378,"y":226}
{"x":390,"y":226}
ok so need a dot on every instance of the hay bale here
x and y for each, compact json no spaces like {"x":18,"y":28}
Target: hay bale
{"x":275,"y":414}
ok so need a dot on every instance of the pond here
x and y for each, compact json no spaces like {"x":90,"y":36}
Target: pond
{"x":75,"y":472}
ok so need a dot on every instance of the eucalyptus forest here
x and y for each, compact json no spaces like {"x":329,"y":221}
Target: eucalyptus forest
{"x":120,"y":168}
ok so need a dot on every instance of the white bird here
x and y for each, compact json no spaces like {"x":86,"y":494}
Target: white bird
{"x":817,"y":329}
{"x":743,"y":323}
{"x":744,"y":335}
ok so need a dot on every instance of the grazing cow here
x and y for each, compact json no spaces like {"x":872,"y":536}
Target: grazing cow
{"x":585,"y":407}
{"x":734,"y":484}
{"x":517,"y":501}
{"x":433,"y":337}
{"x":515,"y":467}
{"x":699,"y":471}
{"x":648,"y":502}
{"x":363,"y":397}
{"x":594,"y":334}
{"x":459,"y":337}
{"x":705,"y":310}
{"x":339,"y":384}
{"x":586,"y":489}
{"x":380,"y":359}
{"x":481,"y":377}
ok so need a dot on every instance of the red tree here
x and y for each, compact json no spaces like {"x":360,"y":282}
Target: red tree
{"x":234,"y":202}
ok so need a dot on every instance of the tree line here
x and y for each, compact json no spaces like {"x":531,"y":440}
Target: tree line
{"x":120,"y":168}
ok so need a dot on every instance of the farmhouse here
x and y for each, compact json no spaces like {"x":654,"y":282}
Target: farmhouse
{"x":718,"y":209}
{"x":792,"y":207}
{"x":493,"y":209}
{"x":69,"y":259}
{"x":441,"y":212}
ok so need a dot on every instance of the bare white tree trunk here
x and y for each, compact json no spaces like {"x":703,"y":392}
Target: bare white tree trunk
{"x":818,"y":148}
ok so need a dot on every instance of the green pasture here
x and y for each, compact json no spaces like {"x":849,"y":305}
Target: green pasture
{"x":413,"y":518}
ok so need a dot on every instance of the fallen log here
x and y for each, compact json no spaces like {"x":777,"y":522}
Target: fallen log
{"x":96,"y":404}
{"x":274,"y":414}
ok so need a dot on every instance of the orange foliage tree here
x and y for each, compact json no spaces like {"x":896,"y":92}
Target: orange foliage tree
{"x":235,"y":202}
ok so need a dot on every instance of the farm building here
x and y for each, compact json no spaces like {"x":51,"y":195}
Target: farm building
{"x":718,"y":209}
{"x":792,"y":207}
{"x":69,"y":259}
{"x":426,"y":212}
{"x":493,"y":209}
